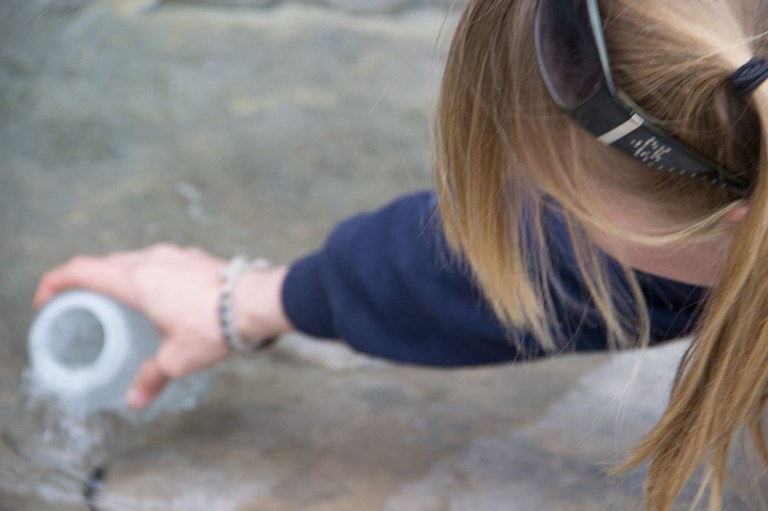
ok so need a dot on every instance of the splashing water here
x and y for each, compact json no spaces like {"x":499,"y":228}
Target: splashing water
{"x":69,"y":420}
{"x":54,"y":452}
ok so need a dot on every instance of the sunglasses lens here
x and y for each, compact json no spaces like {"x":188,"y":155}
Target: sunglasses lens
{"x":566,"y":50}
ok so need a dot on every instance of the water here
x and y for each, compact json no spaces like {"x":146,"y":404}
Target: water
{"x":55,"y":453}
{"x":68,"y":422}
{"x":48,"y":453}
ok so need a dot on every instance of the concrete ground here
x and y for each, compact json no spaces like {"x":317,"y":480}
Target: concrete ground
{"x":254,"y":126}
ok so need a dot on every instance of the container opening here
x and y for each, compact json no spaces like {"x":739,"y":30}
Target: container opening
{"x":76,"y":338}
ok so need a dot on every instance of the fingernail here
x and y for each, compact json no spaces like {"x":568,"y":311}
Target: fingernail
{"x":135,"y":399}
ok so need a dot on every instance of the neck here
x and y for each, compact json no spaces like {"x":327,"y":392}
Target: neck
{"x":698,"y":264}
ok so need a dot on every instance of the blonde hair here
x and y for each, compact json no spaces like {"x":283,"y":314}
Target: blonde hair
{"x":506,"y":154}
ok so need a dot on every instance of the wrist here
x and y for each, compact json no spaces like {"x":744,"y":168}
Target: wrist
{"x":258,"y":304}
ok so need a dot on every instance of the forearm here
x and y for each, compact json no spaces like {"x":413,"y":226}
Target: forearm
{"x":259,"y":312}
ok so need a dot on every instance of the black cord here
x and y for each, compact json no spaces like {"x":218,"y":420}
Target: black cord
{"x":93,"y":485}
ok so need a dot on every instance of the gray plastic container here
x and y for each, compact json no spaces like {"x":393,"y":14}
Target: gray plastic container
{"x":86,"y":348}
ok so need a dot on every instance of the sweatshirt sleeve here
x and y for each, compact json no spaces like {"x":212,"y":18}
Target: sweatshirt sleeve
{"x":387,"y":285}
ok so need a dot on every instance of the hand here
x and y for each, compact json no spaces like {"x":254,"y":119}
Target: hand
{"x":178,"y":290}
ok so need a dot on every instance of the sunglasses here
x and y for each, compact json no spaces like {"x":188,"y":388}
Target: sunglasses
{"x":573,"y":60}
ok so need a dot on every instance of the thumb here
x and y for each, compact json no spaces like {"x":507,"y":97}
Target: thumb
{"x":149,"y":381}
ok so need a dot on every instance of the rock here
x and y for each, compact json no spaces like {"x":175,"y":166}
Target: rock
{"x":356,"y":6}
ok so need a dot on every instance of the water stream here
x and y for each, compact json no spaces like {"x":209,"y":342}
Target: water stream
{"x":57,"y":454}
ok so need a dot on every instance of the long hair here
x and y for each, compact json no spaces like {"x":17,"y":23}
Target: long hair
{"x":505,"y":154}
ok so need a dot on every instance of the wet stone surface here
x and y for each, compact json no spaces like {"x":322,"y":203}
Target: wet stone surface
{"x":254,"y":126}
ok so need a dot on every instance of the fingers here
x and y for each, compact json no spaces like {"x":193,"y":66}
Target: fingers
{"x":176,"y":360}
{"x":149,"y":382}
{"x":100,"y":274}
{"x":173,"y":360}
{"x":56,"y":280}
{"x":111,"y":275}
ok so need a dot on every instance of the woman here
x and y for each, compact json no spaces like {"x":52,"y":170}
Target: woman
{"x":601,"y":177}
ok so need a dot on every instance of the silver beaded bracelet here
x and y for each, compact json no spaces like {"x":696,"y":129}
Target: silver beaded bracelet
{"x":230,"y":276}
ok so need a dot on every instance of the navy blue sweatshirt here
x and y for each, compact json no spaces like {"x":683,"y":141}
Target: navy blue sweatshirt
{"x":387,"y":285}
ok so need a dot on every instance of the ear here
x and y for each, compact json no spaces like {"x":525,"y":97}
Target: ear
{"x":738,"y":212}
